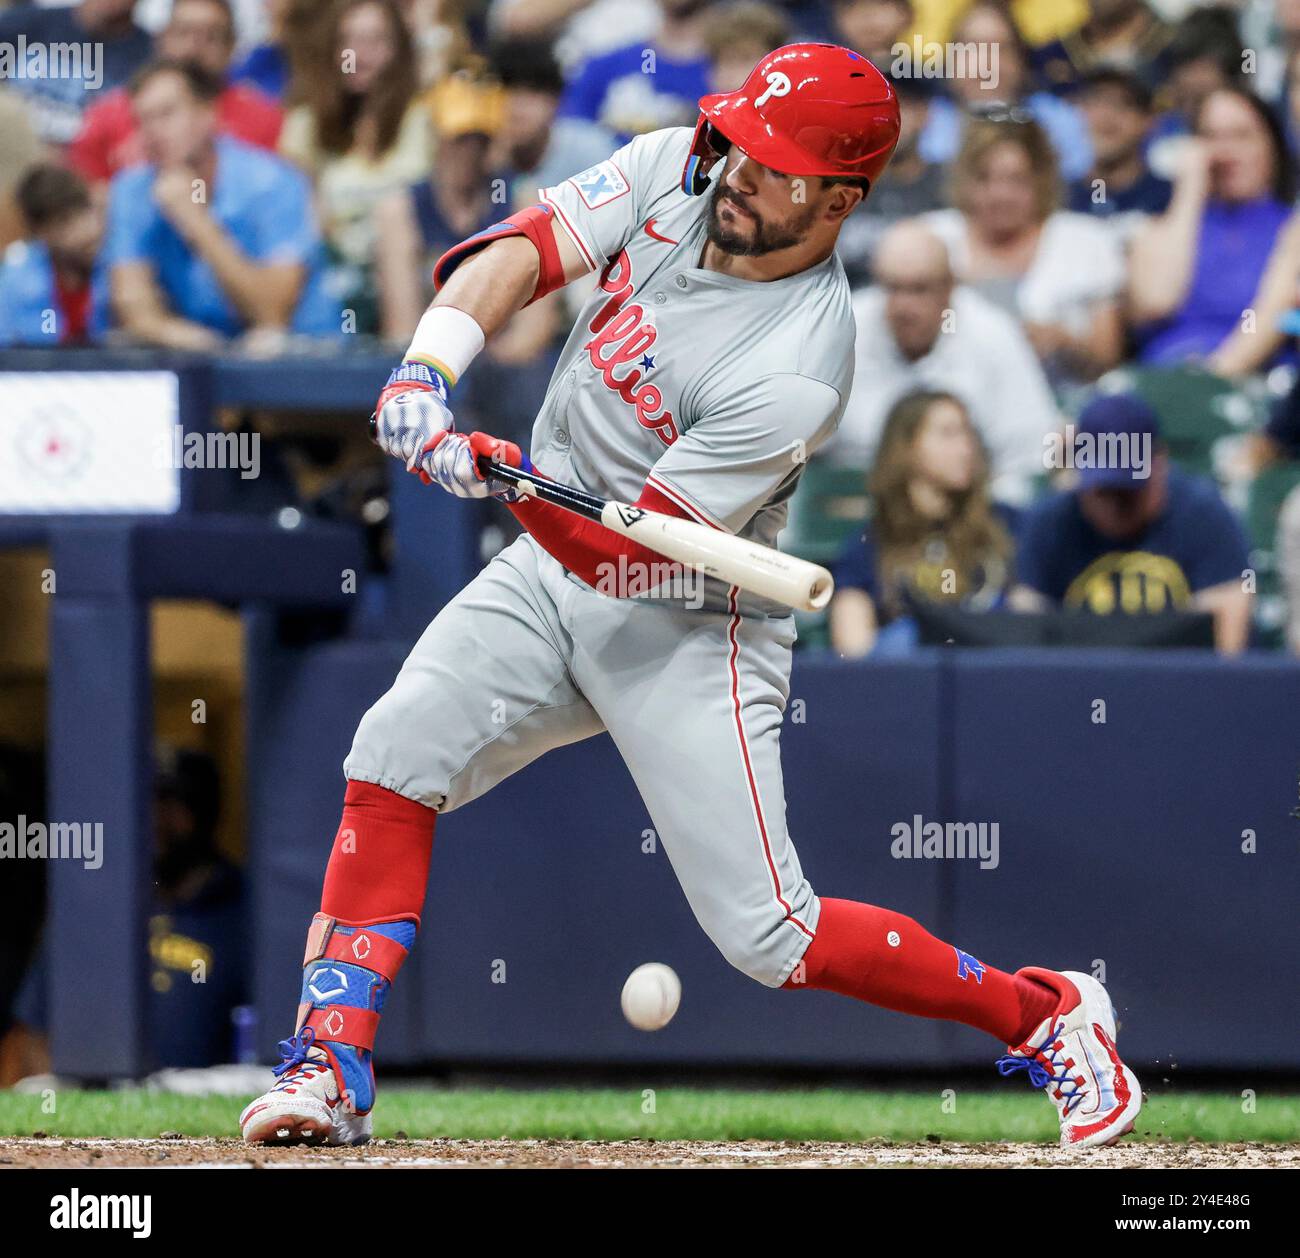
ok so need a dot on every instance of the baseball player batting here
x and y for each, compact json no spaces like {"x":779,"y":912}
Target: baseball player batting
{"x":713,"y":356}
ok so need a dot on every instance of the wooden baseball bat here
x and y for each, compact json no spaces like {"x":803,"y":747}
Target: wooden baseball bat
{"x":750,"y":565}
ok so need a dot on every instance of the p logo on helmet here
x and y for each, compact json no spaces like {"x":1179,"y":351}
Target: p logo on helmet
{"x":778,"y":84}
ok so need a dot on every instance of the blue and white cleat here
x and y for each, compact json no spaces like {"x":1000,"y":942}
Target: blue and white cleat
{"x":1073,"y":1055}
{"x":306,"y":1106}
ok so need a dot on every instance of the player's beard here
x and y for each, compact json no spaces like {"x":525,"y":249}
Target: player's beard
{"x":765,"y":238}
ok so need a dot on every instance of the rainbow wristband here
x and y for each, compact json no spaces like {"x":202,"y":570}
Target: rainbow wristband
{"x":417,"y":371}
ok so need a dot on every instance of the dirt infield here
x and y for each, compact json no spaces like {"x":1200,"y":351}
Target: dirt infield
{"x":54,"y":1152}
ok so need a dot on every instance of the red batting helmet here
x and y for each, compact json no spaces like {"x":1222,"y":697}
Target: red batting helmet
{"x":806,"y":109}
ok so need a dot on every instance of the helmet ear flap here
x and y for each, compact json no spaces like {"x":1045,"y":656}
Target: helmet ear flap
{"x":707,"y":148}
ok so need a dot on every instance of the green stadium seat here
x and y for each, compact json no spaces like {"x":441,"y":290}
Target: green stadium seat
{"x":830,"y":504}
{"x":1268,"y":491}
{"x":1197,"y":409}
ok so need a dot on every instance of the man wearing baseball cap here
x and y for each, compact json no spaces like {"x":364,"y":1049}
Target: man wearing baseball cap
{"x":1136,"y":534}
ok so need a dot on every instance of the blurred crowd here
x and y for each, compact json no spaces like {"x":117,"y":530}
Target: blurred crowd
{"x":1090,"y":200}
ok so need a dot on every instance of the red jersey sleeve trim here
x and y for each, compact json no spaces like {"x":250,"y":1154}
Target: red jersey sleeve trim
{"x":536,"y":224}
{"x":685,"y":507}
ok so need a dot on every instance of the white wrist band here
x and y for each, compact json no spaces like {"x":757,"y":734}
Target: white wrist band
{"x":447,"y":339}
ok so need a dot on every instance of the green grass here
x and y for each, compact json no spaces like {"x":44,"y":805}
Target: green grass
{"x":679,"y":1113}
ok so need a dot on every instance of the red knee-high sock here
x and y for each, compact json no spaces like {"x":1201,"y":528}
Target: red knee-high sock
{"x":887,"y":959}
{"x":379,"y":867}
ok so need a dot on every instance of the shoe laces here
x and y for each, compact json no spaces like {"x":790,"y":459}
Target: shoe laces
{"x":1047,"y":1066}
{"x":296,"y":1066}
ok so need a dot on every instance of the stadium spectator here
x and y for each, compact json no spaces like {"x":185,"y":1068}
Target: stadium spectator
{"x":1121,"y":186}
{"x":361,"y":134}
{"x":872,"y":27}
{"x":934,"y":533}
{"x":909,"y":186}
{"x":19,"y":149}
{"x":1060,"y":273}
{"x":1261,"y":335}
{"x":1205,"y":56}
{"x":1038,"y":20}
{"x":104,"y":46}
{"x":917,"y":331}
{"x":1289,"y":109}
{"x":210,"y":238}
{"x":202,"y":31}
{"x":289,"y":53}
{"x":23,"y":1048}
{"x":535,"y":148}
{"x":442,"y":39}
{"x":578,"y":29}
{"x":648,"y":84}
{"x":737,"y":37}
{"x":464,"y":195}
{"x":1119,"y":35}
{"x":199,"y":916}
{"x":1199,"y":266}
{"x":266,"y":65}
{"x":419,"y":224}
{"x":197,"y":948}
{"x":47,"y":294}
{"x":1137,"y":534}
{"x":1272,"y":31}
{"x":997,"y":83}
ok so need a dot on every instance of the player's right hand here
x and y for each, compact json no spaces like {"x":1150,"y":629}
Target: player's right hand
{"x":411,"y":415}
{"x":452,"y":464}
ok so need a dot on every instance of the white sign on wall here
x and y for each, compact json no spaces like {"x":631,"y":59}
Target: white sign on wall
{"x":73,"y":442}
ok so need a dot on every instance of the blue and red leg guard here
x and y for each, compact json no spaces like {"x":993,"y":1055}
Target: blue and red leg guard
{"x":347,"y":972}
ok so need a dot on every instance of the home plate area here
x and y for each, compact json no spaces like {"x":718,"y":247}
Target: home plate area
{"x":54,"y":1153}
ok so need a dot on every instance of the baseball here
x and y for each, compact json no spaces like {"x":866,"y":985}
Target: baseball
{"x":651,"y":996}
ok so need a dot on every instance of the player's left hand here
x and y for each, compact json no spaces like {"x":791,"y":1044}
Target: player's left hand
{"x":451,"y":461}
{"x":411,"y":415}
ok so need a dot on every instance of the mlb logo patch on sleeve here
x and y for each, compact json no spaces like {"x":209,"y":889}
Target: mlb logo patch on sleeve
{"x":599,"y":185}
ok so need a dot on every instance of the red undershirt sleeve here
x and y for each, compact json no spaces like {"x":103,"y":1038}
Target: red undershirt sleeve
{"x":586,"y":547}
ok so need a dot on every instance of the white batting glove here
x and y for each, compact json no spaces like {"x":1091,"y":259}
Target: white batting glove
{"x":451,"y":465}
{"x":411,"y":412}
{"x":454,"y":462}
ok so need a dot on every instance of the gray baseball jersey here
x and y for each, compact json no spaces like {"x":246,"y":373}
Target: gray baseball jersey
{"x":715,"y":389}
